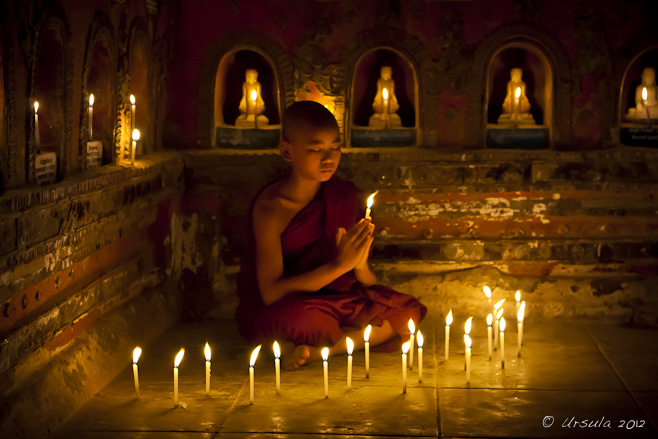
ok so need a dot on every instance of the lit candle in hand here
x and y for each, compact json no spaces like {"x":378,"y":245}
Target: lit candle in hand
{"x":366,"y":339}
{"x":277,"y":366}
{"x":37,"y":137}
{"x":206,"y":351}
{"x":405,"y":349}
{"x":252,"y":362}
{"x":502,"y":342}
{"x":467,"y":354}
{"x":325,"y":367}
{"x":177,"y":360}
{"x":136,"y":353}
{"x":490,"y":334}
{"x":420,"y":341}
{"x":350,"y":349}
{"x":91,"y":115}
{"x":519,"y":322}
{"x":412,"y":331}
{"x":447,"y":338}
{"x":371,"y":200}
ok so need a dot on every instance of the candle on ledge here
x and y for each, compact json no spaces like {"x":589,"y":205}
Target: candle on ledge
{"x":91,"y":115}
{"x":517,"y":297}
{"x":254,"y":100}
{"x":519,"y":323}
{"x":277,"y":366}
{"x":517,"y":95}
{"x":467,"y":354}
{"x":350,"y":349}
{"x":371,"y":200}
{"x":644,"y":101}
{"x":386,"y":107}
{"x":498,"y":313}
{"x":366,"y":339}
{"x":132,"y":112}
{"x":412,"y":331}
{"x":206,"y":351}
{"x":502,"y":342}
{"x":136,"y":136}
{"x":467,"y":329}
{"x":325,"y":367}
{"x":177,"y":360}
{"x":420,"y":341}
{"x":405,"y":349}
{"x":490,"y":334}
{"x":37,"y":137}
{"x":447,"y":338}
{"x":136,"y":353}
{"x":252,"y":362}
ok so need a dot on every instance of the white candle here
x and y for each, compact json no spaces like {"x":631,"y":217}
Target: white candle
{"x":467,"y":355}
{"x":325,"y":367}
{"x":405,"y":349}
{"x":369,"y":203}
{"x":502,"y":342}
{"x":136,"y":353}
{"x":177,"y":360}
{"x":386,"y":111}
{"x":490,"y":335}
{"x":206,"y":351}
{"x":519,"y":322}
{"x":366,"y":339}
{"x":37,"y":137}
{"x":487,"y":292}
{"x":277,"y":366}
{"x":350,"y":349}
{"x":136,"y":136}
{"x":644,"y":101}
{"x":420,"y":342}
{"x":254,"y":100}
{"x":517,"y":296}
{"x":447,"y":338}
{"x":91,"y":115}
{"x":467,"y":330}
{"x":498,"y":313}
{"x":517,"y":96}
{"x":412,"y":331}
{"x":252,"y":362}
{"x":132,"y":112}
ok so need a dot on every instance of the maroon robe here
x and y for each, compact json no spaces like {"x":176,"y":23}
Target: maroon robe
{"x":316,"y":318}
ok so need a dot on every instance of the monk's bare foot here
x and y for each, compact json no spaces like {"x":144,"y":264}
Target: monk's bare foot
{"x":295,"y":356}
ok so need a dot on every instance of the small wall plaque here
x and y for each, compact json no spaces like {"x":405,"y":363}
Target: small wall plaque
{"x":94,"y":154}
{"x":45,"y":168}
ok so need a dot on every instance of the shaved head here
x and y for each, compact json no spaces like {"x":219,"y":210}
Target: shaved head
{"x":306,"y":115}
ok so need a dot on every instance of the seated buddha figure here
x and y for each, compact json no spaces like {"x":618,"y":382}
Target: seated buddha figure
{"x":646,"y":94}
{"x":385,"y":104}
{"x":516,"y":107}
{"x":252,"y":104}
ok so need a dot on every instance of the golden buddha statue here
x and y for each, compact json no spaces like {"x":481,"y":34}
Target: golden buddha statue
{"x":646,"y":94}
{"x":252,"y":104}
{"x":385,"y":104}
{"x":516,"y":107}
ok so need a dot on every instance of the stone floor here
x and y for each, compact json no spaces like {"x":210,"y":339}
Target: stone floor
{"x":568,"y":373}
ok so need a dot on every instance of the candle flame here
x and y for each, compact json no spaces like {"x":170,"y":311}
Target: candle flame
{"x":521,"y":313}
{"x":499,"y":314}
{"x":254,"y":95}
{"x":487,"y":291}
{"x":467,"y":325}
{"x":366,"y":334}
{"x":136,"y":353}
{"x":254,"y":355}
{"x":350,"y":346}
{"x":499,"y":304}
{"x":489,"y":319}
{"x":206,"y":351}
{"x":179,"y":357}
{"x":644,"y":93}
{"x":91,"y":100}
{"x":371,"y":199}
{"x":517,"y":93}
{"x":276,"y":349}
{"x":517,"y":296}
{"x":467,"y":340}
{"x":449,"y":318}
{"x":419,"y":337}
{"x":36,"y":107}
{"x":325,"y":354}
{"x":412,"y":327}
{"x":132,"y":99}
{"x":385,"y":93}
{"x":502,"y":324}
{"x":406,"y":346}
{"x":136,"y":135}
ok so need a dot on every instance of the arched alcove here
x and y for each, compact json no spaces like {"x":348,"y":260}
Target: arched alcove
{"x":229,"y":79}
{"x":51,"y":93}
{"x":139,"y":66}
{"x":538,"y":77}
{"x":638,"y":128}
{"x":364,"y":89}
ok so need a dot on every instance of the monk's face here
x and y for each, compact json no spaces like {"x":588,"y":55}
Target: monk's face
{"x":314,"y":154}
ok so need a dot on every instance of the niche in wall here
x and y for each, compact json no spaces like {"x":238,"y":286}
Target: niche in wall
{"x":638,"y":115}
{"x":139,"y":86}
{"x":100,"y":82}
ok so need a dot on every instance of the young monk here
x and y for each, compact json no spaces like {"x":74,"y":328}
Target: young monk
{"x":304,"y":279}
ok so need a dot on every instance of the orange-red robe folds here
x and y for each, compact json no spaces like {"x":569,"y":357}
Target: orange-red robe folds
{"x":317,"y":318}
